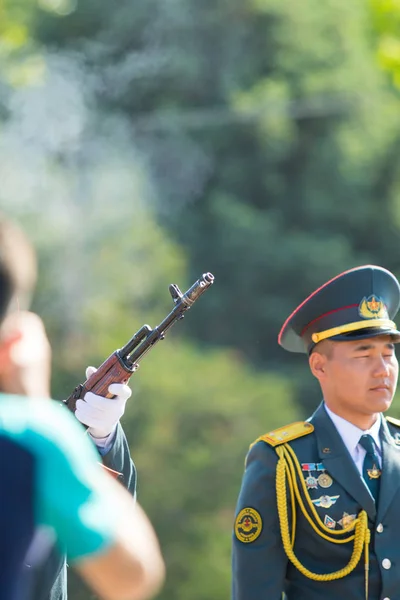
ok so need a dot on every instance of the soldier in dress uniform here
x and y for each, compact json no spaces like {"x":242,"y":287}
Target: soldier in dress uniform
{"x":317,"y":514}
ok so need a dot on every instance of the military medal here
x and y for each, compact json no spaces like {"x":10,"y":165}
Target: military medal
{"x":374,"y":473}
{"x":311,"y":482}
{"x":325,"y":501}
{"x":324,"y":480}
{"x":346,"y":520}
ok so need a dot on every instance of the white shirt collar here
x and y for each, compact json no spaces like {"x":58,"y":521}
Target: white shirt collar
{"x":351,"y":434}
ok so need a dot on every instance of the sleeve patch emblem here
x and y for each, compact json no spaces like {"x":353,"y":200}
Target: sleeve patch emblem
{"x":248,"y":525}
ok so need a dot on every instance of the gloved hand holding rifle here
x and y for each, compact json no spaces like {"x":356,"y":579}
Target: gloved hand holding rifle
{"x":105,"y":382}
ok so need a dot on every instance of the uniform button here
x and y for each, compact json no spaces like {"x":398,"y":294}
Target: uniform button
{"x":379,"y":530}
{"x":386,"y":563}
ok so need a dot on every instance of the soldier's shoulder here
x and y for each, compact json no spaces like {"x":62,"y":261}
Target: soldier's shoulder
{"x":393,"y":421}
{"x":394,"y":429}
{"x":285,"y":434}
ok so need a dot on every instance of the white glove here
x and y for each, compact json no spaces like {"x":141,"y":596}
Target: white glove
{"x":100,"y":414}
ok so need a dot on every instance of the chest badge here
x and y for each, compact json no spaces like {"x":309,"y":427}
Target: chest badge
{"x":346,"y":520}
{"x":325,"y":501}
{"x":329,"y":522}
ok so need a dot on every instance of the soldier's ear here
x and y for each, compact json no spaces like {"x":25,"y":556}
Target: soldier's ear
{"x":6,"y":344}
{"x":317,"y":362}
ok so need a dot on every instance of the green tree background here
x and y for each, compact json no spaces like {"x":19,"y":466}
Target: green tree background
{"x":146,"y":142}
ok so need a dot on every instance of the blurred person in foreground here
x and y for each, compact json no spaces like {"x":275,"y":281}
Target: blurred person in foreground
{"x":56,"y":492}
{"x":25,"y":364}
{"x":317,"y":514}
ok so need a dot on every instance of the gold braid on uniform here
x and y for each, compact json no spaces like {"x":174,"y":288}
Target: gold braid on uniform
{"x":287,"y":469}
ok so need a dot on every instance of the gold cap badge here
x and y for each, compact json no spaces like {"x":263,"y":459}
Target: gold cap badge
{"x":373,"y":307}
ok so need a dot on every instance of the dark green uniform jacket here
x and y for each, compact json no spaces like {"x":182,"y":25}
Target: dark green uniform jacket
{"x":261,"y":569}
{"x":50,"y":581}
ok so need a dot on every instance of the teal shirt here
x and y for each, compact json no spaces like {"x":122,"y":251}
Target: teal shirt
{"x":68,"y":494}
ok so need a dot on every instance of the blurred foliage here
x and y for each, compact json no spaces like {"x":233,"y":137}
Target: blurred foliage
{"x":20,"y":63}
{"x":270,"y":137}
{"x":146,"y":142}
{"x":386,"y":25}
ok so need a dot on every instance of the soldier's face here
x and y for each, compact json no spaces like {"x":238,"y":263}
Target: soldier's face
{"x":360,"y":376}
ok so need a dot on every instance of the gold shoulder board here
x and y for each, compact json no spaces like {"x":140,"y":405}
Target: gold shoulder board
{"x":393,"y":421}
{"x":286,"y":434}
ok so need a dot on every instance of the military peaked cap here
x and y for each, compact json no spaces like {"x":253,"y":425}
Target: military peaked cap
{"x":359,"y":303}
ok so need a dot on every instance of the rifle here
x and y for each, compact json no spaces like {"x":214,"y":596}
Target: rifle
{"x":122,"y":363}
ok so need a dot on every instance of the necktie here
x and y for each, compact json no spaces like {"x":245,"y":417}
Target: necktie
{"x":371,"y":470}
